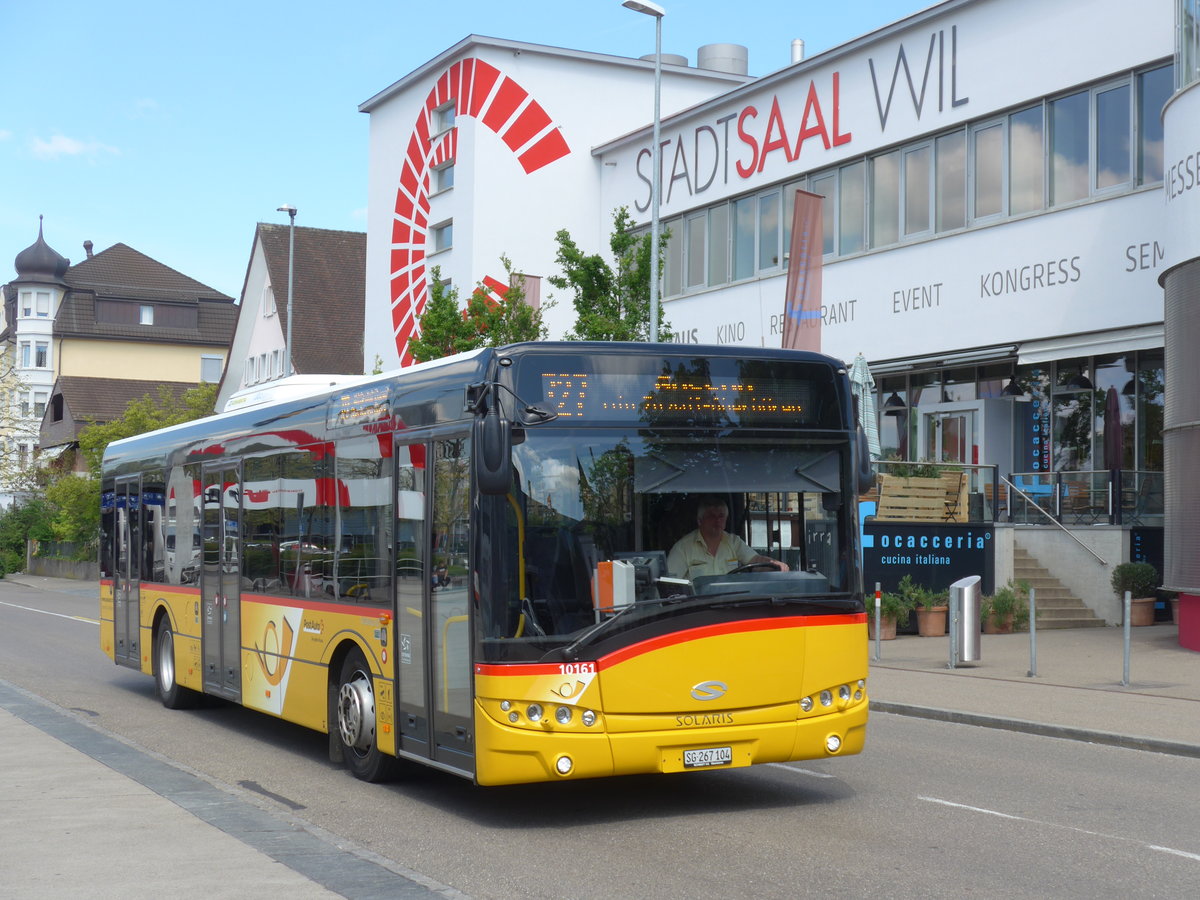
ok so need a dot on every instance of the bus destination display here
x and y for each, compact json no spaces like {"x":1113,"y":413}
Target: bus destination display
{"x":666,"y":398}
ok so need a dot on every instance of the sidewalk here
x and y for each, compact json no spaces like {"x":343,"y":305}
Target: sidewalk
{"x":1076,"y":693}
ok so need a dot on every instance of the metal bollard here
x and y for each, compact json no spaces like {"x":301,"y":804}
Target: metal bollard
{"x":964,"y":637}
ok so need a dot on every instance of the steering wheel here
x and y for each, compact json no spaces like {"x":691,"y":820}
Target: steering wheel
{"x":750,"y":567}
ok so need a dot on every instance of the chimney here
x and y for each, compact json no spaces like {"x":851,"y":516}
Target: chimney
{"x":87,"y":248}
{"x":797,"y":50}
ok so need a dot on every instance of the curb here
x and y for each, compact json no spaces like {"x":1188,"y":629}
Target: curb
{"x":1108,"y":738}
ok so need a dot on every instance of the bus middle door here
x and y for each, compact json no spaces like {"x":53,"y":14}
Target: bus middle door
{"x":126,"y":572}
{"x":220,"y":580}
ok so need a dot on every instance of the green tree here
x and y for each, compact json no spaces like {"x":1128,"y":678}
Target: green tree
{"x":75,"y":503}
{"x":610,"y":304}
{"x":486,"y":322}
{"x":28,"y":520}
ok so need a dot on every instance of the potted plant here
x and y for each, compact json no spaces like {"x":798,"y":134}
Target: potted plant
{"x":893,"y":611}
{"x":1140,"y":579}
{"x":1007,"y":609}
{"x":931,"y":606}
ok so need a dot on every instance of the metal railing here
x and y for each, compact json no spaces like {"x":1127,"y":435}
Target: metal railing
{"x":1018,"y":492}
{"x":1087,"y":497}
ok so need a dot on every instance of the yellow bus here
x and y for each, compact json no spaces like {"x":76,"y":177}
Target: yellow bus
{"x":468,"y":563}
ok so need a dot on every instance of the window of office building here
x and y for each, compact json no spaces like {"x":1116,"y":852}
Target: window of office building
{"x":951,"y":165}
{"x":918,"y":188}
{"x":743,"y":238}
{"x":718,"y":244}
{"x":885,"y":199}
{"x":825,"y":185}
{"x":852,"y":208}
{"x":1154,"y":90}
{"x":695,"y":238}
{"x":1027,"y":161}
{"x":1069,"y":149}
{"x":988,"y":167}
{"x":770,"y":254}
{"x":1114,"y":163}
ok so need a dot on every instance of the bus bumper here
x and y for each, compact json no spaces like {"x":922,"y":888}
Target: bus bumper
{"x":511,"y":755}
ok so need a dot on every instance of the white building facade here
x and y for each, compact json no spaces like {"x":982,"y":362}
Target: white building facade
{"x":994,"y":223}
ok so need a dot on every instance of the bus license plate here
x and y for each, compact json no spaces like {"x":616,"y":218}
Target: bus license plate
{"x":708,"y":756}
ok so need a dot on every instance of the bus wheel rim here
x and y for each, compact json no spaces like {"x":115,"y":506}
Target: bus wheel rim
{"x":356,"y":713}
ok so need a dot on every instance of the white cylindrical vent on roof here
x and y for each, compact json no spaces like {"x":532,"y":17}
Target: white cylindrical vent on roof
{"x":797,"y":50}
{"x":731,"y":58}
{"x":669,"y":59}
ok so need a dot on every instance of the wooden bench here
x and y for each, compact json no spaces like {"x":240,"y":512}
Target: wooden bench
{"x":940,"y":499}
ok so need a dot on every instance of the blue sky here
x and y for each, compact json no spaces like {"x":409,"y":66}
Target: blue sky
{"x":174,"y":127}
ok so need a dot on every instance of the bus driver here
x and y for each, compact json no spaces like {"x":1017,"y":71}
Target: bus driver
{"x":710,"y":549}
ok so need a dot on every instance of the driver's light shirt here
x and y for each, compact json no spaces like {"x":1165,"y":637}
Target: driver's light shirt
{"x":690,"y":558}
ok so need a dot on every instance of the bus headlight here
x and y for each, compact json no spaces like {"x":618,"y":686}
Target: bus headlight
{"x":826,"y":698}
{"x":562,"y":715}
{"x":806,"y":704}
{"x":563,"y":765}
{"x":534,"y":711}
{"x":844,"y":692}
{"x":833,"y":743}
{"x":589,"y":718}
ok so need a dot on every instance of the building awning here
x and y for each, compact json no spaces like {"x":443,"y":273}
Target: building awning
{"x":1096,"y":343}
{"x":949,"y":358}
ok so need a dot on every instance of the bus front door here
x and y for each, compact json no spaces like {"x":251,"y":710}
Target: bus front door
{"x":126,"y":572}
{"x":433,"y":633}
{"x":220,"y":580}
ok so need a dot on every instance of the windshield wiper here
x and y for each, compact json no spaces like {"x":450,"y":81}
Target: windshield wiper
{"x":569,"y":651}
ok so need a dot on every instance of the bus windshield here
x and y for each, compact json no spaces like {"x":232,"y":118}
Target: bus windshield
{"x":600,"y":520}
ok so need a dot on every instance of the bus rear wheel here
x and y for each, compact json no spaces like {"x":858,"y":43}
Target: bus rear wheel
{"x":170,"y":692}
{"x":356,"y":721}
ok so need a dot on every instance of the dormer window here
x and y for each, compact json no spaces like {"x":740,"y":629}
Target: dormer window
{"x":146,"y":314}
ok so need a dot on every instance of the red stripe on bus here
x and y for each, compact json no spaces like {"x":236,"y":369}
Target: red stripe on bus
{"x":667,"y":640}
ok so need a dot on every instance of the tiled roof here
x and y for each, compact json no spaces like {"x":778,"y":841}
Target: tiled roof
{"x":122,"y":273}
{"x":328,"y":295}
{"x":105,"y":399}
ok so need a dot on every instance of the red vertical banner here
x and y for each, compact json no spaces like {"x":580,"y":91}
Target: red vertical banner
{"x":802,"y":305}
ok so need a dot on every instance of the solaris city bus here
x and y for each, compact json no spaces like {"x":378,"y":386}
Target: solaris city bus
{"x":463,"y":563}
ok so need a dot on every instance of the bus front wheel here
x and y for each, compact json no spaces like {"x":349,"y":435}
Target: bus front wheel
{"x":356,"y":721}
{"x":170,"y":692}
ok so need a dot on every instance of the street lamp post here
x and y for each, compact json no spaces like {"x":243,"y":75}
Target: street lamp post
{"x":287,"y":347}
{"x":653,"y":9}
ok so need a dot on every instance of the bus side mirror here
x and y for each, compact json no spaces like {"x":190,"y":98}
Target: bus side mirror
{"x":491,"y":451}
{"x":864,"y":474}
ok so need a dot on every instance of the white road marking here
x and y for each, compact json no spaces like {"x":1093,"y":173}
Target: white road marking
{"x":46,"y":612}
{"x":1101,"y":834}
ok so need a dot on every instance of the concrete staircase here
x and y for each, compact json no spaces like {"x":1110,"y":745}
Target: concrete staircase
{"x":1056,"y":608}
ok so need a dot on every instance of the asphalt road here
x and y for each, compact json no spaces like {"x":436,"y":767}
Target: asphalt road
{"x":929,"y":810}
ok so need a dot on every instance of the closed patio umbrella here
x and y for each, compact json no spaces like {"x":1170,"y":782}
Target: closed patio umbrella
{"x":1114,"y":449}
{"x":862,"y":383}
